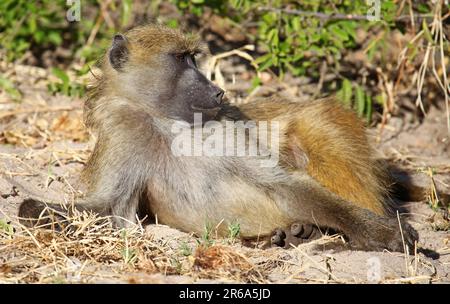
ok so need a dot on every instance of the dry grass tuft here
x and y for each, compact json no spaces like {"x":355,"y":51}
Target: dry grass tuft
{"x":220,"y":261}
{"x":44,"y":255}
{"x":90,"y":249}
{"x":220,"y":257}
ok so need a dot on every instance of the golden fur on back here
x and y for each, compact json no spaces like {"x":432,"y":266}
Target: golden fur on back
{"x":335,"y":142}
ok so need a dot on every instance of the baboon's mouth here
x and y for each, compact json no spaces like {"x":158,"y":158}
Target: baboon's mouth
{"x":211,"y":112}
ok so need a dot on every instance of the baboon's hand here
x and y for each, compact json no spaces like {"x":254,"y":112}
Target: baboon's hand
{"x":33,"y":213}
{"x":385,"y":233}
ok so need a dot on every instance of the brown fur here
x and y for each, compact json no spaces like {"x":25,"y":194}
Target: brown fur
{"x":327,"y":174}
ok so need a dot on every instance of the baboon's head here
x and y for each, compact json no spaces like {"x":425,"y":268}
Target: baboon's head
{"x":156,"y":65}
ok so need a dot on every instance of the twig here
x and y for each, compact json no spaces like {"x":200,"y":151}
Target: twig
{"x":39,"y":110}
{"x":405,"y":248}
{"x":335,"y":16}
{"x":329,"y":274}
{"x":409,"y":279}
{"x":444,"y":72}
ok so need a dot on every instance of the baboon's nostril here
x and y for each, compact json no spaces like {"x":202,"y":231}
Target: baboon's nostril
{"x":219,"y":96}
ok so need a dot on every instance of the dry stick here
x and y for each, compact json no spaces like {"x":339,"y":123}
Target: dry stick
{"x":317,"y":264}
{"x":334,"y":16}
{"x":428,"y":54}
{"x":31,"y":235}
{"x":323,"y":70}
{"x":322,"y":16}
{"x":92,"y":35}
{"x":104,"y":10}
{"x":259,"y":234}
{"x":416,"y":258}
{"x":436,"y":75}
{"x":295,"y":274}
{"x":239,"y":52}
{"x":409,"y":279}
{"x":411,"y":15}
{"x":317,"y":224}
{"x":39,"y":110}
{"x":400,"y":8}
{"x":12,"y":173}
{"x":405,"y":248}
{"x":402,"y":54}
{"x":444,"y":72}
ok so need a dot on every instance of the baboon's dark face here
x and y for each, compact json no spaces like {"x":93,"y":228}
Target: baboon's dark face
{"x":168,"y":80}
{"x":192,"y":91}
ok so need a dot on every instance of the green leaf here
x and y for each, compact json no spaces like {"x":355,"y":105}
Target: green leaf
{"x":269,"y":63}
{"x":337,"y":31}
{"x":126,"y":11}
{"x":423,"y":8}
{"x":256,"y":82}
{"x":427,"y":32}
{"x":39,"y":36}
{"x":10,"y":89}
{"x":55,"y":38}
{"x":263,"y":58}
{"x":296,"y":24}
{"x":172,"y":23}
{"x":345,"y":93}
{"x":65,"y":89}
{"x":32,"y":23}
{"x":61,"y":75}
{"x":369,"y":108}
{"x":8,"y":228}
{"x":360,"y":100}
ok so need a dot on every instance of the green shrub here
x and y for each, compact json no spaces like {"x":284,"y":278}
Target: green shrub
{"x":297,"y":37}
{"x":26,"y":23}
{"x":42,"y":25}
{"x":38,"y":26}
{"x":294,"y":37}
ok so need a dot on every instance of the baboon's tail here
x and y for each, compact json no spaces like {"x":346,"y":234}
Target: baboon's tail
{"x":413,"y":187}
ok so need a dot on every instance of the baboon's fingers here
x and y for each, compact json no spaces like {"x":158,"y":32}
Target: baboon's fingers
{"x":303,"y":231}
{"x":308,"y":230}
{"x":277,"y":238}
{"x":296,"y":229}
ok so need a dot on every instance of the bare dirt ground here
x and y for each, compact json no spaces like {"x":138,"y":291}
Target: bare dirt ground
{"x":43,"y":146}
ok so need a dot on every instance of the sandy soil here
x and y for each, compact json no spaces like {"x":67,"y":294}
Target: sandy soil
{"x":44,"y":146}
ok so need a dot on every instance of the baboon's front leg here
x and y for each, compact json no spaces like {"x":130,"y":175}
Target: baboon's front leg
{"x":113,"y":192}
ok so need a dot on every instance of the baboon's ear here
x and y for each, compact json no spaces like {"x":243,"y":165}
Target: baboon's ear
{"x":118,"y":54}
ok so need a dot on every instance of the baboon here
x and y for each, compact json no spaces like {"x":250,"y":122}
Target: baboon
{"x":327,"y":174}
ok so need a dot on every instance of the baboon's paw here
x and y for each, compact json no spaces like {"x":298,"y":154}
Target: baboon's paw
{"x":294,"y":235}
{"x":386,"y":233}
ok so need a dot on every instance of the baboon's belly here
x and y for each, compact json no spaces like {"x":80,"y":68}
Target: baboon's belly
{"x":255,"y":212}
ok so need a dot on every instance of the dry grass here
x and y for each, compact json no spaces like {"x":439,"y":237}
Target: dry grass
{"x":90,"y":250}
{"x":435,"y":48}
{"x":89,"y":245}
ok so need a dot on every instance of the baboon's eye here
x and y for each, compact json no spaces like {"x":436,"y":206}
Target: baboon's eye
{"x":186,"y":58}
{"x":181,"y":57}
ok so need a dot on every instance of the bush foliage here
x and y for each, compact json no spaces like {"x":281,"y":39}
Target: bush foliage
{"x":294,"y":37}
